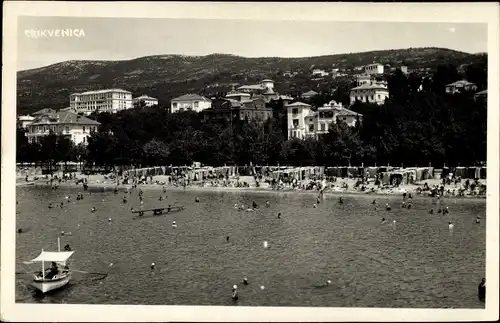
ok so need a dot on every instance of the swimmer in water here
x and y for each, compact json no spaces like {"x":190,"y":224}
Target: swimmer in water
{"x":478,"y":219}
{"x":450,"y":225}
{"x":341,"y":200}
{"x":383,"y":220}
{"x":93,"y":209}
{"x":50,"y":206}
{"x":197,"y":199}
{"x":279,"y":215}
{"x":124,"y":199}
{"x":161,"y":198}
{"x":440,"y":210}
{"x":268,"y":204}
{"x":234,"y":294}
{"x":431,"y":211}
{"x":403,"y":205}
{"x":387,"y":207}
{"x":227,"y":238}
{"x":373,"y":202}
{"x":314,"y":206}
{"x":245,"y":281}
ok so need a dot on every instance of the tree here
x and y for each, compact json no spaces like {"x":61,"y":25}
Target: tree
{"x":156,"y":153}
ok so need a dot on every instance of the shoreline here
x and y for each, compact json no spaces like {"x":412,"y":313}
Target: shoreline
{"x":260,"y":190}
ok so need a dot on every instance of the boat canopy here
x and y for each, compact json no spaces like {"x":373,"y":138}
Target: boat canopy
{"x":56,"y":256}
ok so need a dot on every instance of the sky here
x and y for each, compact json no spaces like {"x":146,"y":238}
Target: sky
{"x":127,"y":38}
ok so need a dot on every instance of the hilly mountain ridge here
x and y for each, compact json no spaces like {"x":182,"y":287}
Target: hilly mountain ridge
{"x":168,"y":76}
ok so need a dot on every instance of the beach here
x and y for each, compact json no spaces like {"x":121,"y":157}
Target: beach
{"x":100,"y":182}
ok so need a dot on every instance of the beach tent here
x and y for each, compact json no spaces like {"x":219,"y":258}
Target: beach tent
{"x":461,"y":172}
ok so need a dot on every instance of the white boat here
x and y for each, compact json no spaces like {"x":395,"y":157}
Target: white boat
{"x":56,"y":276}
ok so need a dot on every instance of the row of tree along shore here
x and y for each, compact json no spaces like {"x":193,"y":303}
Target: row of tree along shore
{"x":417,"y":125}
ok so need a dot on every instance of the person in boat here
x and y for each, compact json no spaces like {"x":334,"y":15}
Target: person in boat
{"x":52,"y":271}
{"x":254,"y":205}
{"x":481,"y":290}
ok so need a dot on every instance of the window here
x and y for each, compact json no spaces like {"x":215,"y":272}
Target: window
{"x":311,"y":128}
{"x":83,"y":128}
{"x":66,"y":128}
{"x":295,"y":110}
{"x":196,"y":103}
{"x":322,"y":127}
{"x":295,"y":122}
{"x":174,"y":105}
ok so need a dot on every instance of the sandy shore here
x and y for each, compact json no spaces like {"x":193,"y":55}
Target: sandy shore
{"x":100,"y":183}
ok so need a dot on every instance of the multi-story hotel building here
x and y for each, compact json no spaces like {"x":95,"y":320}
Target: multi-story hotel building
{"x":75,"y":127}
{"x":110,"y":100}
{"x":303,"y":122}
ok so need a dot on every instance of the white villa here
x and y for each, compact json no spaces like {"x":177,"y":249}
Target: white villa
{"x":109,"y":100}
{"x":24,"y":121}
{"x":298,"y":115}
{"x":64,"y":122}
{"x":374,"y":69}
{"x":303,"y":122}
{"x":460,"y":86}
{"x":319,"y":72}
{"x":190,"y":102}
{"x":369,"y":91}
{"x":264,"y":86}
{"x":146,"y":100}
